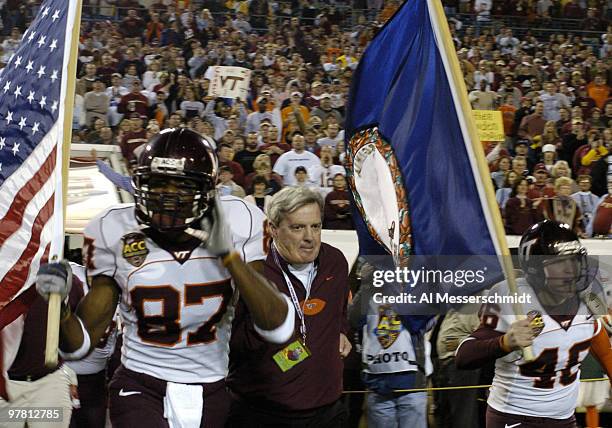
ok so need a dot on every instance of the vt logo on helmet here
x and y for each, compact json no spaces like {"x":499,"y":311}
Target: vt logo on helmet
{"x":174,"y":180}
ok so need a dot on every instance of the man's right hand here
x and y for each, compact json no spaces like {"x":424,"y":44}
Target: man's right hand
{"x":520,"y":335}
{"x":54,"y":278}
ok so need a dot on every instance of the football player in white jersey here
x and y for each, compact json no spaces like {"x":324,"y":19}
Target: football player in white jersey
{"x":173,"y":262}
{"x":559,"y":327}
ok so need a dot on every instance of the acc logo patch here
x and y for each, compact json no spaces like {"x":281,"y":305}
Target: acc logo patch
{"x":134,"y":248}
{"x":389,"y":326}
{"x":313,"y":306}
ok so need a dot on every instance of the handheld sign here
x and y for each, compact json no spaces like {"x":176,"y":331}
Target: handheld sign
{"x":230,"y":82}
{"x":489,"y":125}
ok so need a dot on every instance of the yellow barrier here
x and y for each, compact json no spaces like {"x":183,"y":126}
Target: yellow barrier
{"x":452,"y":388}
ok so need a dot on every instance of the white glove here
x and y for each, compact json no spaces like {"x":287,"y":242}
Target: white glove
{"x":215,"y":233}
{"x":54,"y":278}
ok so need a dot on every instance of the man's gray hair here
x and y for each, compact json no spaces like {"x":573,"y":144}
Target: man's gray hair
{"x":290,"y":199}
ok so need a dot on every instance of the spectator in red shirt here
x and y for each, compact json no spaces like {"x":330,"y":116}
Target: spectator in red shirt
{"x":542,"y":188}
{"x":135,"y":138}
{"x":106,"y":70}
{"x":134,"y":101}
{"x":587,"y":154}
{"x":520,"y":211}
{"x":226,"y":157}
{"x":533,"y":124}
{"x":154,"y":29}
{"x":508,"y":113}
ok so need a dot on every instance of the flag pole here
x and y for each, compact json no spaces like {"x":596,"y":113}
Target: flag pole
{"x":483,"y":169}
{"x":53,"y":314}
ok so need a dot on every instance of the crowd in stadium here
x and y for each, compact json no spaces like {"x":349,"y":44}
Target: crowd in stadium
{"x":147,"y":70}
{"x":544,"y":64}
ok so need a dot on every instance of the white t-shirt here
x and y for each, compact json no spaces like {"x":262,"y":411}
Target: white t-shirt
{"x":287,"y":163}
{"x":322,"y":177}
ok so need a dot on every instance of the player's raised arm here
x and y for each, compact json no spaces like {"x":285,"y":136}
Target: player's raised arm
{"x":81,"y":331}
{"x":268,"y":307}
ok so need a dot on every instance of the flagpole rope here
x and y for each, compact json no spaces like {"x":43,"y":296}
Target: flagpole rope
{"x":453,"y":388}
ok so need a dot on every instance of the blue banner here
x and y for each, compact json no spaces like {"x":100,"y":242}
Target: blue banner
{"x":409,"y":159}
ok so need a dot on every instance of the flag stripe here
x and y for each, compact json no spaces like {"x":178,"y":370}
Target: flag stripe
{"x":14,"y":218}
{"x":16,"y":277}
{"x":11,"y":186}
{"x":17,"y":306}
{"x":43,"y":252}
{"x":12,"y":248}
{"x":45,"y":257}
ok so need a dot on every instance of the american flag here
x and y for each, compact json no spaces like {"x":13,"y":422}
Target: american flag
{"x":33,"y":91}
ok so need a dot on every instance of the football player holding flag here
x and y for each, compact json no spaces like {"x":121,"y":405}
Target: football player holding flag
{"x":173,"y":262}
{"x":560,"y":326}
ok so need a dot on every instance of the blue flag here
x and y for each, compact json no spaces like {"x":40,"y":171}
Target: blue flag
{"x":411,"y":166}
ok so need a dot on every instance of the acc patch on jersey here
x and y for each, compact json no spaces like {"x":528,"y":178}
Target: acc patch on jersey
{"x":134,"y":248}
{"x":389,"y":326}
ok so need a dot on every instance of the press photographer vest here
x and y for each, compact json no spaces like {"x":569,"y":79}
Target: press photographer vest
{"x":387,"y":345}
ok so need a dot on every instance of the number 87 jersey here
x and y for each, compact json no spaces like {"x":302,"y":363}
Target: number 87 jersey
{"x":176,"y":304}
{"x":548,"y":386}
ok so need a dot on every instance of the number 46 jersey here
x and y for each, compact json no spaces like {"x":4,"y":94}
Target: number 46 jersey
{"x":548,"y":386}
{"x":176,"y":314}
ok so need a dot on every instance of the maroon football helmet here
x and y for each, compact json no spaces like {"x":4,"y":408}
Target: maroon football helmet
{"x":549,"y":241}
{"x":174,"y":180}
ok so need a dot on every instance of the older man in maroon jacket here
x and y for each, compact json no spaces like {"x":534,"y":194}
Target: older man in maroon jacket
{"x":298,"y":383}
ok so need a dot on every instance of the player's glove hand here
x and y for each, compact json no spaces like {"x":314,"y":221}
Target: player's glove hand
{"x":215,"y":233}
{"x":54,"y":278}
{"x":520,"y":335}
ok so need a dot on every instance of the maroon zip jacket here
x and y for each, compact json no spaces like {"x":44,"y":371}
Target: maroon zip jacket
{"x":316,"y":381}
